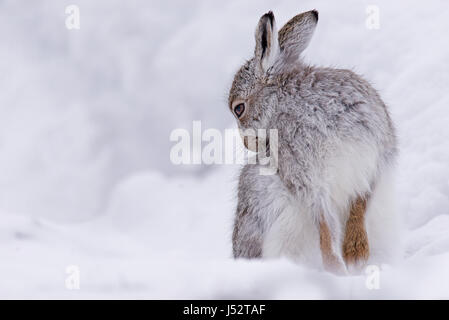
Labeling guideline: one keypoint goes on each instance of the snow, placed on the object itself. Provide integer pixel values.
(85, 176)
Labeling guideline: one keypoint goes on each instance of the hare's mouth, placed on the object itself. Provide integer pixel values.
(251, 143)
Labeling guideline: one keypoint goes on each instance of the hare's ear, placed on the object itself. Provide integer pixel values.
(267, 45)
(296, 34)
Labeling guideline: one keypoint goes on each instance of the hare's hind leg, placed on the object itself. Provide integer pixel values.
(331, 261)
(355, 244)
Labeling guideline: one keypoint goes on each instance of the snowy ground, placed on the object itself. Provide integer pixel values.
(85, 176)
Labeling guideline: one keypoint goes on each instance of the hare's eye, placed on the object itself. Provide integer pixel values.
(239, 109)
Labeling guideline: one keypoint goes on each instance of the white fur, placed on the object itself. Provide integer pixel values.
(383, 224)
(295, 234)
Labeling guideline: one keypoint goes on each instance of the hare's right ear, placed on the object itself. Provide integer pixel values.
(295, 36)
(267, 45)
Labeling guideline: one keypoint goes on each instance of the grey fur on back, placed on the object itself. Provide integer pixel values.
(317, 112)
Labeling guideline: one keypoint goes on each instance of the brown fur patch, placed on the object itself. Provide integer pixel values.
(355, 244)
(330, 260)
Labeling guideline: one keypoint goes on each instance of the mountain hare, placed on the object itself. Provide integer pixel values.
(328, 203)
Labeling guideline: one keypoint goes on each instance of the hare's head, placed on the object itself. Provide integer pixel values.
(254, 95)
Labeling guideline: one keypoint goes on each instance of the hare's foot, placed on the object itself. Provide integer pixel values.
(331, 261)
(355, 244)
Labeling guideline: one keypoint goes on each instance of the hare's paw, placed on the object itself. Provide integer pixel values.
(356, 249)
(355, 245)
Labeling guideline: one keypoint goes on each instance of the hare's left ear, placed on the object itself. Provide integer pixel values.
(295, 36)
(267, 45)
